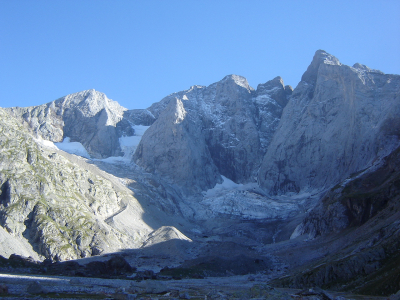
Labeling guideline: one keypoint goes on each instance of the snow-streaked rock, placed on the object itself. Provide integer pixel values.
(163, 234)
(236, 122)
(87, 117)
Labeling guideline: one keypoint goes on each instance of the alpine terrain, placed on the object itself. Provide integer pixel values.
(300, 186)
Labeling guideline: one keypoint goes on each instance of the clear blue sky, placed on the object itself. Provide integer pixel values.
(138, 52)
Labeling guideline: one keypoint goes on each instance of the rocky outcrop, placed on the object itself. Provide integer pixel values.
(164, 234)
(356, 201)
(140, 117)
(174, 148)
(230, 128)
(362, 215)
(57, 206)
(338, 121)
(234, 125)
(88, 117)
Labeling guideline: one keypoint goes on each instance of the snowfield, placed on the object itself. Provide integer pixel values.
(72, 147)
(128, 145)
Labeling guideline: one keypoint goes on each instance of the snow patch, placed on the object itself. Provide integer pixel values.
(45, 143)
(128, 145)
(226, 185)
(72, 147)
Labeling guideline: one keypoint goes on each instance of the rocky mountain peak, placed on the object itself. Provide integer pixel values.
(320, 57)
(326, 131)
(88, 117)
(90, 103)
(237, 80)
(174, 147)
(274, 89)
(276, 82)
(365, 68)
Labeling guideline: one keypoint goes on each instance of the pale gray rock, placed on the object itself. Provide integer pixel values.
(338, 121)
(174, 148)
(236, 122)
(163, 234)
(140, 116)
(270, 98)
(88, 117)
(36, 288)
(55, 207)
(230, 128)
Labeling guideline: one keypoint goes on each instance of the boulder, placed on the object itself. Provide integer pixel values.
(117, 265)
(36, 288)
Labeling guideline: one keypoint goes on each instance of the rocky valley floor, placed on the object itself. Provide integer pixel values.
(235, 287)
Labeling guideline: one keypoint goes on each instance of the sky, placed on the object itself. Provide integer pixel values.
(137, 52)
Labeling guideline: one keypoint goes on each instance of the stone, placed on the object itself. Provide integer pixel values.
(95, 268)
(154, 287)
(184, 295)
(23, 261)
(75, 281)
(36, 288)
(395, 296)
(251, 278)
(117, 265)
(124, 296)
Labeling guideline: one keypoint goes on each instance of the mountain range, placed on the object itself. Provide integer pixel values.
(314, 170)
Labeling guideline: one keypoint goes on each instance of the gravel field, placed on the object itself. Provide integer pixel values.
(234, 287)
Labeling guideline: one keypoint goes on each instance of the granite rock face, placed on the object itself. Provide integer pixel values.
(88, 117)
(174, 147)
(235, 125)
(339, 120)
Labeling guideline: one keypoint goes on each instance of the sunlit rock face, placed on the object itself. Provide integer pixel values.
(56, 207)
(88, 117)
(174, 148)
(234, 125)
(339, 120)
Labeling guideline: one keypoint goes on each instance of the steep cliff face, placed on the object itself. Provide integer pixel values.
(57, 206)
(174, 147)
(270, 99)
(235, 125)
(338, 121)
(88, 117)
